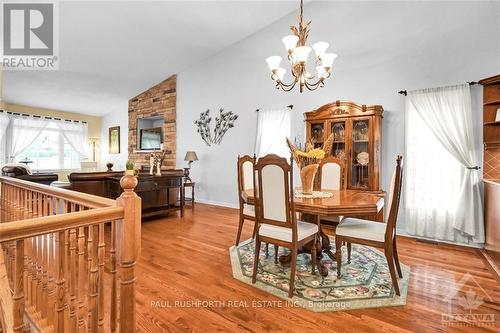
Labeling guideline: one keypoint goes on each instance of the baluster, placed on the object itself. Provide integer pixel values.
(82, 269)
(18, 297)
(89, 235)
(51, 256)
(112, 258)
(73, 277)
(100, 264)
(93, 280)
(60, 282)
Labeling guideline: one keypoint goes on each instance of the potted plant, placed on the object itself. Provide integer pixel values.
(129, 168)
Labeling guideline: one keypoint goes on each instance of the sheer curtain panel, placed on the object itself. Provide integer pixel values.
(273, 127)
(4, 123)
(24, 131)
(76, 133)
(443, 195)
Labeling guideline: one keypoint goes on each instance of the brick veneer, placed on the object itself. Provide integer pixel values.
(159, 100)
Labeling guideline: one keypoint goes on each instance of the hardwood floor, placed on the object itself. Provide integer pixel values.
(185, 261)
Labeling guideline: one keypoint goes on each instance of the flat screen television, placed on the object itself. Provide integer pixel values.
(150, 138)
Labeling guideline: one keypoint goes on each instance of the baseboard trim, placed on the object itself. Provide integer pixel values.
(217, 203)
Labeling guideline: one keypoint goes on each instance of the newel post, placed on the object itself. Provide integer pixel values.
(128, 250)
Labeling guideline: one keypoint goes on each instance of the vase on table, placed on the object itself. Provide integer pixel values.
(307, 175)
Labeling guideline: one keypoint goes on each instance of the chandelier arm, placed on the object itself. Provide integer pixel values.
(288, 87)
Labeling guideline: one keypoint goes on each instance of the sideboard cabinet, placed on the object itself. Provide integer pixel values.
(357, 139)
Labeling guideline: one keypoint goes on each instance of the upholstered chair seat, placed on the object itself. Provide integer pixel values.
(359, 228)
(304, 230)
(249, 210)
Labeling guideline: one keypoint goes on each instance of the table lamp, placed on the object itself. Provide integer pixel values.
(190, 157)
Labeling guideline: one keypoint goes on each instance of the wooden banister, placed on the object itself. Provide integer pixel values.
(49, 224)
(52, 258)
(87, 200)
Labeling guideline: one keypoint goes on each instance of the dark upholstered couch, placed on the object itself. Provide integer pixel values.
(21, 172)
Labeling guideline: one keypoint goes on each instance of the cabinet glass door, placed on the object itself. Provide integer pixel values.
(360, 158)
(317, 134)
(338, 130)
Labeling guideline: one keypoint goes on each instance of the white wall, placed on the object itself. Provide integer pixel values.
(116, 118)
(383, 47)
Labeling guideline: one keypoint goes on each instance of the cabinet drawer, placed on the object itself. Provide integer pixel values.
(491, 93)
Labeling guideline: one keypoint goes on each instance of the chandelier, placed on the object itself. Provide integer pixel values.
(298, 53)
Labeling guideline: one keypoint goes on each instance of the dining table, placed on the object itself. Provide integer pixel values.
(345, 203)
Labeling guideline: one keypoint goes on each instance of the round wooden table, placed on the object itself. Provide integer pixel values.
(343, 203)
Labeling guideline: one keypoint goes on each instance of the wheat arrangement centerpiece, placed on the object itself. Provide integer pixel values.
(307, 160)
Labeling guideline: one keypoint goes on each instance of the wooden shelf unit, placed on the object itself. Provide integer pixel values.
(357, 128)
(491, 170)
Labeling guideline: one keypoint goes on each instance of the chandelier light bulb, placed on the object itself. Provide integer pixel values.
(327, 59)
(302, 53)
(290, 42)
(273, 62)
(320, 48)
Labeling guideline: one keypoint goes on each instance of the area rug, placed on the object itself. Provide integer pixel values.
(365, 282)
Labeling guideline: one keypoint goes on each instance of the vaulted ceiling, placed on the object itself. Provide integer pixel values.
(110, 51)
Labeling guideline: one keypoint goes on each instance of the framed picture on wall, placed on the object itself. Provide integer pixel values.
(114, 140)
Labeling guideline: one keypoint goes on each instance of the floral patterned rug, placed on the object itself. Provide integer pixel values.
(365, 282)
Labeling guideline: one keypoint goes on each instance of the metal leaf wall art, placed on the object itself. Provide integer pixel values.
(223, 122)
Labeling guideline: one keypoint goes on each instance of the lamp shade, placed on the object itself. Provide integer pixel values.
(290, 42)
(273, 62)
(327, 59)
(190, 156)
(320, 48)
(302, 53)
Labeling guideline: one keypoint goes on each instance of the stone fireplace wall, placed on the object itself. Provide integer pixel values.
(159, 100)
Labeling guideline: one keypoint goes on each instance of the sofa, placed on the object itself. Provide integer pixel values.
(21, 171)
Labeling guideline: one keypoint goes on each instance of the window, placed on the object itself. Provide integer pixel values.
(51, 151)
(273, 127)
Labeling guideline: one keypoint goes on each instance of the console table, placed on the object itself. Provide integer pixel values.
(159, 194)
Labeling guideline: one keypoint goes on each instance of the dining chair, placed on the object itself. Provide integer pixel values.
(276, 216)
(245, 168)
(376, 234)
(331, 173)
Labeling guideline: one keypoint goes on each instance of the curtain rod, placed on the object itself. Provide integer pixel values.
(45, 117)
(288, 106)
(404, 92)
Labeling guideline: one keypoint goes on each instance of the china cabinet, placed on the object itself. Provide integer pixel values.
(357, 138)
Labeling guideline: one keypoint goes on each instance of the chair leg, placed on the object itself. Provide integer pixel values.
(256, 259)
(240, 227)
(390, 263)
(276, 250)
(348, 252)
(313, 256)
(255, 225)
(338, 254)
(396, 258)
(293, 268)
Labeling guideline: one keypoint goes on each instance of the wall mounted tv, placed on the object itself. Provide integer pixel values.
(150, 138)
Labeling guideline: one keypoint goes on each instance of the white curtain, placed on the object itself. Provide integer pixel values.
(23, 132)
(273, 127)
(4, 123)
(442, 186)
(76, 133)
